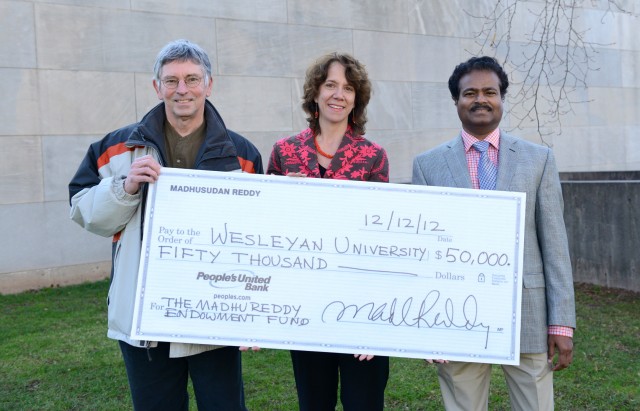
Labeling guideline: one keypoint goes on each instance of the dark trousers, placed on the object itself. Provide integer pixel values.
(158, 382)
(362, 383)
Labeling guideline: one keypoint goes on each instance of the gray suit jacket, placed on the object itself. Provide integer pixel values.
(547, 295)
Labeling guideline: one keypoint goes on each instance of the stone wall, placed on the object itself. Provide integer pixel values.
(73, 70)
(602, 215)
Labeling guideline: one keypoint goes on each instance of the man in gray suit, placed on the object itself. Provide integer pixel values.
(478, 87)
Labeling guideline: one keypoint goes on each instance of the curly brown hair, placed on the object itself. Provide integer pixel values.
(357, 77)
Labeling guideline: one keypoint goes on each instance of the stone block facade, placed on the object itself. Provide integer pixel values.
(76, 69)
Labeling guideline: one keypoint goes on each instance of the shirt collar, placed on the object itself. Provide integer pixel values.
(493, 139)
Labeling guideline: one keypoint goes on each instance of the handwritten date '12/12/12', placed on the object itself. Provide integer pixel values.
(402, 223)
(395, 222)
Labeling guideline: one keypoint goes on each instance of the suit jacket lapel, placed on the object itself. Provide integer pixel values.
(507, 161)
(456, 160)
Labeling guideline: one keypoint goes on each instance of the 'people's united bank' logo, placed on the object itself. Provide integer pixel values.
(246, 279)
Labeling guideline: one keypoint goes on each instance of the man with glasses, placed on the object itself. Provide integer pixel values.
(107, 197)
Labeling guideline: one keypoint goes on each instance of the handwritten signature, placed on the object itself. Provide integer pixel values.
(399, 313)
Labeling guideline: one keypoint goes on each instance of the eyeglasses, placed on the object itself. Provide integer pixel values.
(189, 81)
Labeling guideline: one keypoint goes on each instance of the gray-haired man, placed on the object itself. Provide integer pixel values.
(107, 196)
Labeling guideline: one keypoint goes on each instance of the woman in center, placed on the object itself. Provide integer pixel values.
(336, 93)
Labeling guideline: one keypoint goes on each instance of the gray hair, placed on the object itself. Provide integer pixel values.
(182, 50)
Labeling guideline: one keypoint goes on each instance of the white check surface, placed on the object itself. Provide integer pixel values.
(328, 265)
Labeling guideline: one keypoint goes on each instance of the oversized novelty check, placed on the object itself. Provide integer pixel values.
(331, 265)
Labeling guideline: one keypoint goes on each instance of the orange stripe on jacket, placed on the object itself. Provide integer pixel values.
(104, 160)
(246, 165)
(112, 152)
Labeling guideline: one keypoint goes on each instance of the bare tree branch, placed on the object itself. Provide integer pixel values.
(553, 63)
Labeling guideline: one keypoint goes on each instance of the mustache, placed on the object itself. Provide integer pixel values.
(479, 106)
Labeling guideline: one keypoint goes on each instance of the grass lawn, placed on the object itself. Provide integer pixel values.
(54, 355)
